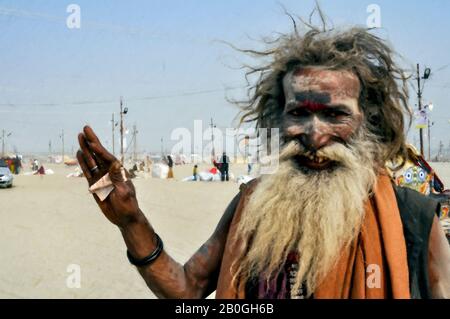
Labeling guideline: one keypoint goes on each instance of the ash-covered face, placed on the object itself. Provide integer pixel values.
(321, 109)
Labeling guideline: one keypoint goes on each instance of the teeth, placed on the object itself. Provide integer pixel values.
(314, 158)
(319, 159)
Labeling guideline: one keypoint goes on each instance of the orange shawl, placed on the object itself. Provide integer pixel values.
(375, 265)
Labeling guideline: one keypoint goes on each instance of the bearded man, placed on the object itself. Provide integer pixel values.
(328, 223)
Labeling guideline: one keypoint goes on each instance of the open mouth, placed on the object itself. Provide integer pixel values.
(313, 161)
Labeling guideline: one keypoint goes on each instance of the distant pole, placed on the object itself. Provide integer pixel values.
(429, 140)
(63, 144)
(448, 150)
(162, 148)
(235, 151)
(419, 98)
(50, 147)
(4, 136)
(113, 143)
(3, 143)
(213, 151)
(135, 143)
(62, 138)
(121, 131)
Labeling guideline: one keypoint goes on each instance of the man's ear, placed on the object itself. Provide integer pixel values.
(378, 124)
(373, 116)
(375, 122)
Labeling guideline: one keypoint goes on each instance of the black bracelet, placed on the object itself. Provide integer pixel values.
(150, 258)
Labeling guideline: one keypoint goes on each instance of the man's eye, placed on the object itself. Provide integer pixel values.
(299, 112)
(333, 113)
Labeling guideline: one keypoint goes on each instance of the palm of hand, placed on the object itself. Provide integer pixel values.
(121, 206)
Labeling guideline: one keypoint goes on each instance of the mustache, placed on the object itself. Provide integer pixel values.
(337, 152)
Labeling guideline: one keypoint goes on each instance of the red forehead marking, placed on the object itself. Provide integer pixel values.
(313, 106)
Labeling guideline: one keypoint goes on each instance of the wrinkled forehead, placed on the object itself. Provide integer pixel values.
(339, 84)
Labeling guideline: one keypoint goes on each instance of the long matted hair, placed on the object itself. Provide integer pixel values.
(384, 94)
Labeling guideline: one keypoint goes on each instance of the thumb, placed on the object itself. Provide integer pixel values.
(115, 173)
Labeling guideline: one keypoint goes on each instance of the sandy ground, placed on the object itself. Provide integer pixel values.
(48, 223)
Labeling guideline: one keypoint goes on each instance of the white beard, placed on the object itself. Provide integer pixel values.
(313, 213)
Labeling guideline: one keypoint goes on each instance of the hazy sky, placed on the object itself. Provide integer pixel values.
(163, 57)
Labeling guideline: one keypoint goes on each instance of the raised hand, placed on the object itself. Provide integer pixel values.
(121, 206)
(165, 277)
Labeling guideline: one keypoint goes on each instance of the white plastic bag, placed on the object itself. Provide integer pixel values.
(160, 171)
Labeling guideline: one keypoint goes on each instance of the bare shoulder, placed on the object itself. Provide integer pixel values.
(224, 223)
(438, 261)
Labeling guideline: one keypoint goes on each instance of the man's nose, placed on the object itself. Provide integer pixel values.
(316, 137)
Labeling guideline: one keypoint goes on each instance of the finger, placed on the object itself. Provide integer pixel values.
(97, 146)
(99, 160)
(87, 153)
(84, 167)
(115, 173)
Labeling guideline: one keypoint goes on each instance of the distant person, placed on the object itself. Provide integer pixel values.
(249, 165)
(133, 171)
(40, 171)
(148, 163)
(224, 166)
(12, 166)
(216, 164)
(170, 164)
(17, 165)
(35, 165)
(195, 172)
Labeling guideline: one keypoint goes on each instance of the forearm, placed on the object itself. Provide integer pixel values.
(165, 277)
(169, 279)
